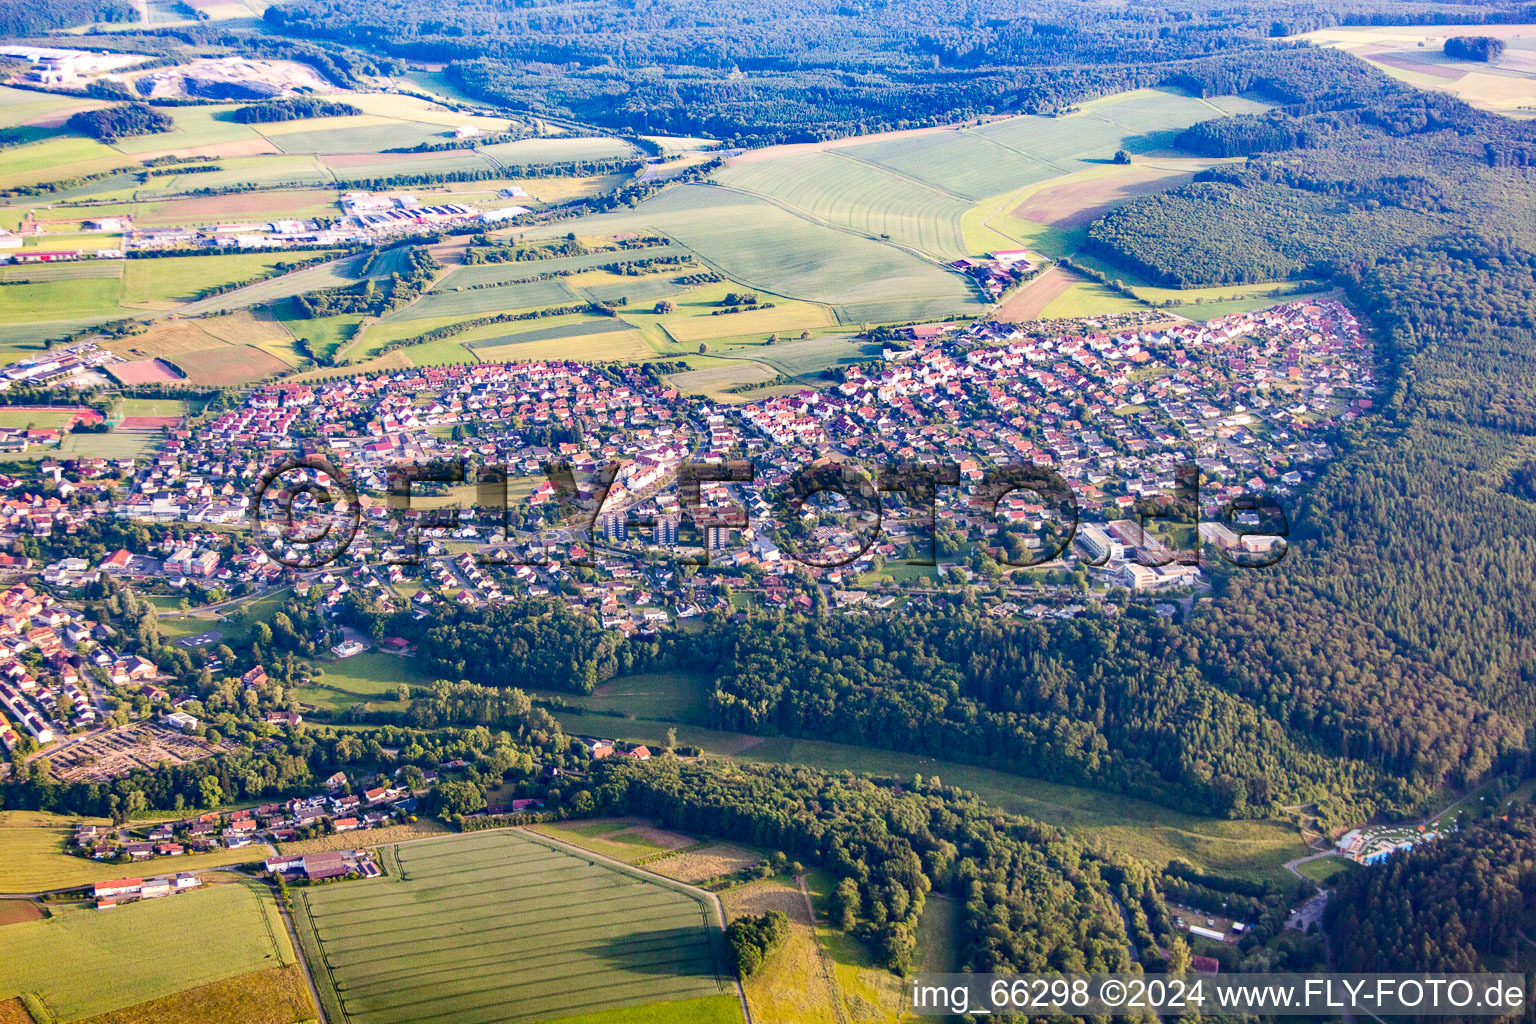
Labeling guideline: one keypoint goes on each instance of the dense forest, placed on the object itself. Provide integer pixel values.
(1033, 899)
(1481, 48)
(291, 110)
(806, 69)
(108, 124)
(1459, 904)
(32, 17)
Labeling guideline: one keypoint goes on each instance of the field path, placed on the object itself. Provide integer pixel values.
(710, 898)
(838, 1006)
(298, 952)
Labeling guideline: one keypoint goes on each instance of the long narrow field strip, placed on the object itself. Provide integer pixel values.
(474, 301)
(498, 926)
(524, 270)
(579, 329)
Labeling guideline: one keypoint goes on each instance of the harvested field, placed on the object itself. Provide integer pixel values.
(625, 839)
(144, 371)
(149, 422)
(19, 912)
(563, 935)
(236, 147)
(1031, 299)
(796, 986)
(278, 995)
(1075, 203)
(704, 863)
(421, 829)
(229, 365)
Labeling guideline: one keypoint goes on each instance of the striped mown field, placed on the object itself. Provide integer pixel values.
(501, 927)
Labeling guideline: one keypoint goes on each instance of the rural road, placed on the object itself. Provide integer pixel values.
(710, 897)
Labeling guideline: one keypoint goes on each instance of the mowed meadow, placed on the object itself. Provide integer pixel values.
(502, 927)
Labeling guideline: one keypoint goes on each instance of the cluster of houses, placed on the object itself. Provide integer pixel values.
(233, 830)
(1117, 410)
(323, 867)
(125, 890)
(67, 649)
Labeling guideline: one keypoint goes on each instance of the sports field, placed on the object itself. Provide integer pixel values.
(498, 926)
(176, 943)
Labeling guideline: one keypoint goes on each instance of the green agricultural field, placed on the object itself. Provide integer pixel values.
(599, 347)
(1006, 155)
(79, 270)
(326, 275)
(838, 190)
(562, 935)
(444, 352)
(523, 270)
(32, 846)
(144, 950)
(358, 134)
(383, 165)
(79, 298)
(23, 106)
(577, 328)
(177, 279)
(58, 158)
(262, 171)
(327, 334)
(479, 301)
(557, 150)
(196, 126)
(630, 289)
(813, 355)
(767, 248)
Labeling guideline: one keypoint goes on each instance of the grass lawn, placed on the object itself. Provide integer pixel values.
(32, 857)
(562, 935)
(1328, 868)
(664, 696)
(359, 678)
(144, 950)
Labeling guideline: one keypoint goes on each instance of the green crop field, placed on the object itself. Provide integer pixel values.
(88, 297)
(79, 270)
(633, 289)
(770, 249)
(557, 150)
(478, 301)
(20, 106)
(831, 187)
(359, 134)
(576, 329)
(443, 352)
(179, 279)
(143, 950)
(1006, 155)
(811, 356)
(522, 270)
(384, 165)
(58, 158)
(327, 275)
(498, 926)
(598, 346)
